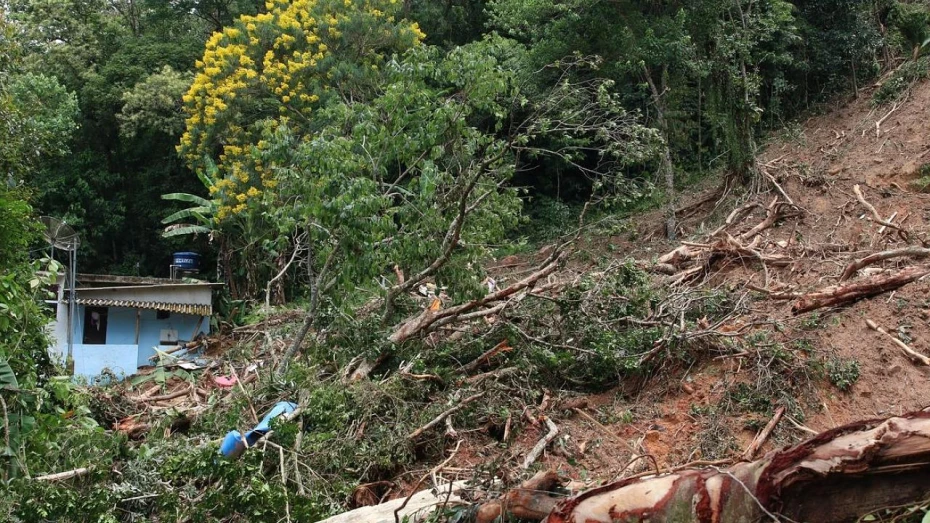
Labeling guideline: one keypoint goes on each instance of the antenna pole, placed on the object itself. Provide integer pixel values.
(71, 306)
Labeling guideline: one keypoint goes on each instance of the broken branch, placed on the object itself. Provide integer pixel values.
(763, 435)
(65, 475)
(852, 268)
(503, 346)
(430, 319)
(876, 217)
(909, 351)
(439, 419)
(541, 444)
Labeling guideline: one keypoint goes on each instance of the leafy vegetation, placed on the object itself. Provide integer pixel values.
(843, 373)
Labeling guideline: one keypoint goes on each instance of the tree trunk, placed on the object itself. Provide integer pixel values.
(668, 168)
(838, 475)
(841, 295)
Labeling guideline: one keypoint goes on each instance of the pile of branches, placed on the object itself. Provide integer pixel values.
(693, 261)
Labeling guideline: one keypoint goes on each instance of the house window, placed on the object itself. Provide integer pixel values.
(162, 315)
(95, 325)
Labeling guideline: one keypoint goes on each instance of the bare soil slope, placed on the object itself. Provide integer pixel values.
(704, 413)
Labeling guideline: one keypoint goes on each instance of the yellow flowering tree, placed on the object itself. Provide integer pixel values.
(276, 69)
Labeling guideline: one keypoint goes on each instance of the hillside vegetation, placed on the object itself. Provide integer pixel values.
(471, 240)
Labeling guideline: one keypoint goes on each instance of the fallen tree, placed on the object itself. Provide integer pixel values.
(841, 295)
(838, 475)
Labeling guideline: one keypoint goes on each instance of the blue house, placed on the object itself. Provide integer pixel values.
(118, 322)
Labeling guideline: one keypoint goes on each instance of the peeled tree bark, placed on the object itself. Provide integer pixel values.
(838, 475)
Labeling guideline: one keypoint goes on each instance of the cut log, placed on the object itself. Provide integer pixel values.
(838, 475)
(841, 295)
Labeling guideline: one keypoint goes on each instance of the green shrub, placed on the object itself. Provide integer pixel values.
(842, 373)
(901, 80)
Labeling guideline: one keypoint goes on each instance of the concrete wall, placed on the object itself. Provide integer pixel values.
(90, 360)
(122, 354)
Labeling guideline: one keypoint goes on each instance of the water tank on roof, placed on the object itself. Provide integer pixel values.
(187, 261)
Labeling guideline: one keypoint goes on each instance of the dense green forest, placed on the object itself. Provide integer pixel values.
(340, 153)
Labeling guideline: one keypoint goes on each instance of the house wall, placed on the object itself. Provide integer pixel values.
(122, 354)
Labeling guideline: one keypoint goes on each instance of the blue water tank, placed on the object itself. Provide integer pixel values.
(187, 261)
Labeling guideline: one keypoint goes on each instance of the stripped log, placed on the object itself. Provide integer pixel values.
(855, 266)
(836, 476)
(419, 505)
(841, 295)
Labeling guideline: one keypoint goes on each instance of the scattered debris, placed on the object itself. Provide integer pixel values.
(235, 443)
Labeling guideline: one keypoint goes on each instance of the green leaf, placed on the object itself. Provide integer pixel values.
(926, 518)
(196, 212)
(186, 197)
(190, 229)
(7, 378)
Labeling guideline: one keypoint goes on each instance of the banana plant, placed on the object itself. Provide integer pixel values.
(198, 219)
(7, 377)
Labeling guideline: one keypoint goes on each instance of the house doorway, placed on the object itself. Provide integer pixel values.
(95, 325)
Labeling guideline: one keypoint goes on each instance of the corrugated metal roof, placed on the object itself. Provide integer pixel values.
(180, 308)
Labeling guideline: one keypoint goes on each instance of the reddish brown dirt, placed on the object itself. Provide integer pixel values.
(665, 417)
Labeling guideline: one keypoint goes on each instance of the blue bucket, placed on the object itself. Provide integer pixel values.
(188, 261)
